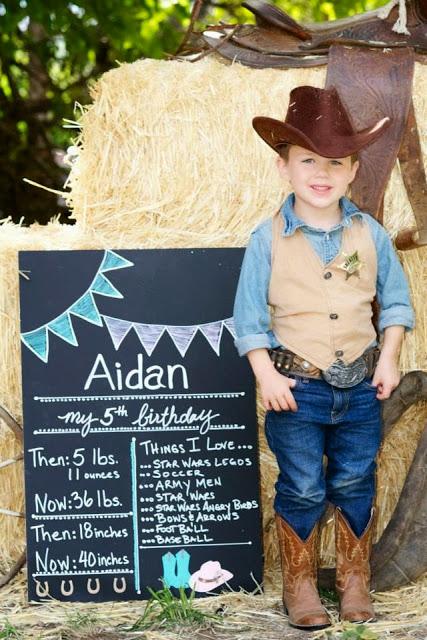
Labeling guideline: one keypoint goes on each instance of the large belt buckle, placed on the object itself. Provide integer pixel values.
(346, 375)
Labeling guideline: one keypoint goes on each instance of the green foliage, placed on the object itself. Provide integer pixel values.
(50, 50)
(352, 631)
(165, 611)
(317, 10)
(303, 10)
(8, 631)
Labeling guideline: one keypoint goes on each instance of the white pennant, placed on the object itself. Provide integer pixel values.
(182, 336)
(149, 335)
(229, 324)
(118, 329)
(213, 332)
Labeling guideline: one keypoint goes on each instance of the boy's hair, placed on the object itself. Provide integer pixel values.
(283, 152)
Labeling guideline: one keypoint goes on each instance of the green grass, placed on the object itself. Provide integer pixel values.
(164, 610)
(352, 631)
(7, 631)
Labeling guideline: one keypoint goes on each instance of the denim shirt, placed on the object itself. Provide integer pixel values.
(251, 313)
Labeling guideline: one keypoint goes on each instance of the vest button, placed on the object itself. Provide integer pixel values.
(333, 316)
(339, 353)
(327, 275)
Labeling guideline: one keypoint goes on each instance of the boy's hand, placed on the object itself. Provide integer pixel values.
(275, 388)
(276, 392)
(386, 377)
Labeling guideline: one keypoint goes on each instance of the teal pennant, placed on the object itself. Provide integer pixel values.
(37, 341)
(112, 261)
(104, 287)
(63, 328)
(86, 308)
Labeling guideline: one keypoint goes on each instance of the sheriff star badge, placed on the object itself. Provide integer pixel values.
(351, 265)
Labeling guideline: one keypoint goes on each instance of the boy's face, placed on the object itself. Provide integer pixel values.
(318, 182)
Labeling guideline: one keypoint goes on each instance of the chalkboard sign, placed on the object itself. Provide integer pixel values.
(141, 464)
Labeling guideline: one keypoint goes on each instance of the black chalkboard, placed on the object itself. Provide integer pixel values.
(141, 465)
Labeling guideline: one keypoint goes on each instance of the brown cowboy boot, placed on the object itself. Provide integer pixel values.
(299, 570)
(353, 572)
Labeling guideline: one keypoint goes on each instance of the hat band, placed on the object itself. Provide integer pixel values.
(214, 579)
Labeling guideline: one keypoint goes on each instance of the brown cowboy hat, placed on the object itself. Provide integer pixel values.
(317, 120)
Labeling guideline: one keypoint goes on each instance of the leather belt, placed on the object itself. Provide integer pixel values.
(338, 374)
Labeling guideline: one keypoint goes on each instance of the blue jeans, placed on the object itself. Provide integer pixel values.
(344, 425)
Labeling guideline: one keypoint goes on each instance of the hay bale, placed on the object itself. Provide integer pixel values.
(168, 158)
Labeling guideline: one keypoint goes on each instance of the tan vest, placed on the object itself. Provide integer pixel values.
(315, 314)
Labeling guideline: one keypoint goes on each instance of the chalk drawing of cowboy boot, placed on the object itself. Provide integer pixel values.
(169, 570)
(175, 569)
(182, 572)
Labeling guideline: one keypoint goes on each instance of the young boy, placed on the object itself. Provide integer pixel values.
(318, 264)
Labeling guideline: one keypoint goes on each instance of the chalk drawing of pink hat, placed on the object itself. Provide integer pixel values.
(209, 576)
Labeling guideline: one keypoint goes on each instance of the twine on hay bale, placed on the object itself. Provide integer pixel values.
(168, 158)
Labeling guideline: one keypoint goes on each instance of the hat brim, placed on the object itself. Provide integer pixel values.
(203, 587)
(277, 133)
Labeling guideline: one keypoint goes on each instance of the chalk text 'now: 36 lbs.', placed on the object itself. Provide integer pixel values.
(77, 500)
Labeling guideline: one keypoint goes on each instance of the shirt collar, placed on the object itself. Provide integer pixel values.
(292, 222)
